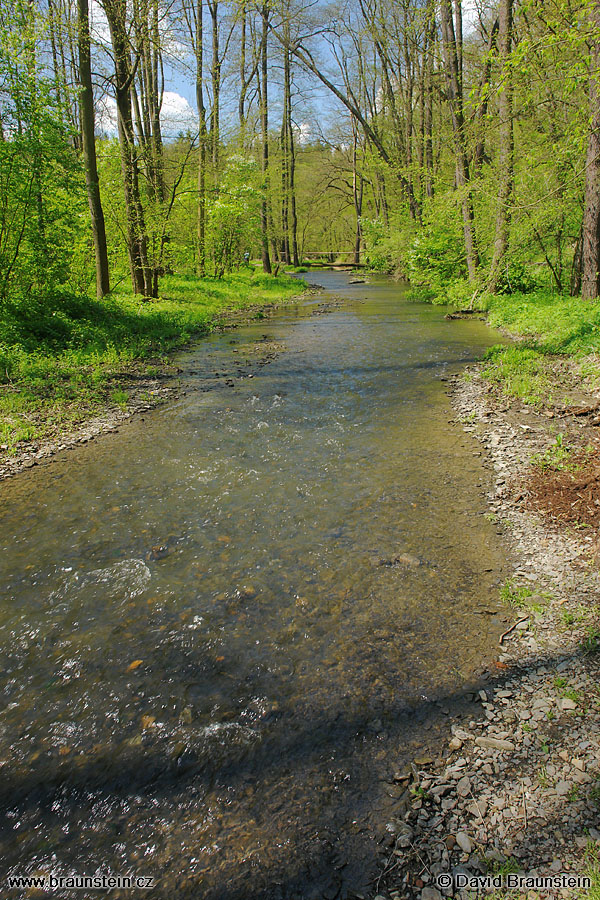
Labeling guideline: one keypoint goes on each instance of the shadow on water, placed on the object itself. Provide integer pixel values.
(317, 864)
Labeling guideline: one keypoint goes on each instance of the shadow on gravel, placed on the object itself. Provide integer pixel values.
(328, 862)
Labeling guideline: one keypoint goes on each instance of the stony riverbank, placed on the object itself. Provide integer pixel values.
(517, 789)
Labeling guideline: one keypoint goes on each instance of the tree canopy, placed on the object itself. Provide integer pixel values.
(459, 147)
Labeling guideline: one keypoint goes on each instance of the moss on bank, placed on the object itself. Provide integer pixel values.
(63, 357)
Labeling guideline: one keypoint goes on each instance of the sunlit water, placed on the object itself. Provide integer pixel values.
(224, 628)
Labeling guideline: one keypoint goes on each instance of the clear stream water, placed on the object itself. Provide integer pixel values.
(224, 627)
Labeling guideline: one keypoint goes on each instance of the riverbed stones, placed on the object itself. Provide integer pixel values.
(430, 893)
(463, 787)
(567, 703)
(463, 841)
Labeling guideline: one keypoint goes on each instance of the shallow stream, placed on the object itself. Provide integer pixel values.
(226, 626)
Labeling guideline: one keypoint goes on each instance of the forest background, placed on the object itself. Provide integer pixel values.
(149, 149)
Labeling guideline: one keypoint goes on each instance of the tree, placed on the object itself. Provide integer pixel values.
(453, 71)
(92, 181)
(590, 281)
(264, 130)
(506, 142)
(137, 239)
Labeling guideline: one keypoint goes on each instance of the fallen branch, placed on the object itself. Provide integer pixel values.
(512, 627)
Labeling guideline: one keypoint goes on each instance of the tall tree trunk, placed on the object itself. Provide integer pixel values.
(577, 266)
(215, 74)
(264, 127)
(137, 238)
(287, 202)
(292, 185)
(357, 195)
(479, 154)
(428, 100)
(86, 100)
(452, 51)
(285, 210)
(507, 144)
(201, 219)
(243, 82)
(590, 278)
(155, 97)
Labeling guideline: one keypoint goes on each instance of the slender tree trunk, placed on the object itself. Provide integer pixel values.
(577, 266)
(428, 101)
(590, 279)
(155, 97)
(479, 155)
(292, 187)
(285, 217)
(452, 50)
(215, 74)
(201, 181)
(86, 100)
(507, 144)
(137, 238)
(357, 196)
(264, 125)
(286, 146)
(243, 83)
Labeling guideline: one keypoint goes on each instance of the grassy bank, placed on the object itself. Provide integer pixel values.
(548, 330)
(65, 357)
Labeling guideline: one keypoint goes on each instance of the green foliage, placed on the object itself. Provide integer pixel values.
(515, 279)
(555, 457)
(557, 324)
(41, 182)
(520, 371)
(550, 325)
(234, 215)
(591, 642)
(516, 596)
(431, 255)
(436, 255)
(592, 869)
(384, 244)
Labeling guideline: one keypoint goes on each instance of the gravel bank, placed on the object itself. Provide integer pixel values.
(516, 789)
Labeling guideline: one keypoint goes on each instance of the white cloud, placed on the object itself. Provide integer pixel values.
(303, 133)
(176, 115)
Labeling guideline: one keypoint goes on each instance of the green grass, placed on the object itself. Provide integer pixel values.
(557, 457)
(547, 326)
(592, 869)
(64, 356)
(521, 597)
(516, 596)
